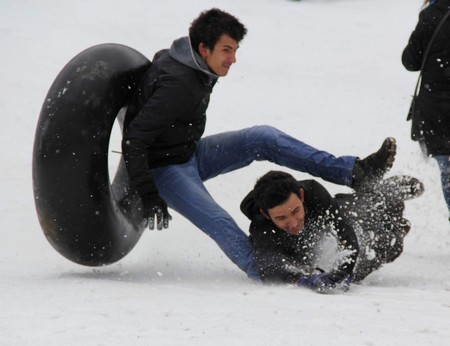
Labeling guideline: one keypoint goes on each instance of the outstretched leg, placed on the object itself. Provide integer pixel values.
(183, 190)
(229, 151)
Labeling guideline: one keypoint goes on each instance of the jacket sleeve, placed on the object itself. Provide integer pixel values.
(346, 237)
(272, 264)
(156, 115)
(326, 208)
(413, 53)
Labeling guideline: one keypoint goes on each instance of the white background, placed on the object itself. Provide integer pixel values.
(327, 72)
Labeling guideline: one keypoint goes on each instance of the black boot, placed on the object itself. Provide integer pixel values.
(370, 170)
(401, 187)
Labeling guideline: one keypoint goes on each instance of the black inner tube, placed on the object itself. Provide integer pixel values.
(85, 218)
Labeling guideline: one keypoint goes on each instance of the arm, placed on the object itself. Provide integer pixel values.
(156, 115)
(325, 214)
(346, 237)
(274, 259)
(413, 52)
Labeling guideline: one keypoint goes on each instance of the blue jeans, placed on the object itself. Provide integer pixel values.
(181, 186)
(444, 166)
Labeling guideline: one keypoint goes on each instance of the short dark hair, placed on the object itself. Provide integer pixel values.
(274, 188)
(211, 24)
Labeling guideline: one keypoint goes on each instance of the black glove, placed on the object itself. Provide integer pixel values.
(155, 206)
(327, 282)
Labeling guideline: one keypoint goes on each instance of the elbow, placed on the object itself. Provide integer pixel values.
(410, 63)
(411, 67)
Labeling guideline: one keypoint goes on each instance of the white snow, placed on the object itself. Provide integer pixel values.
(325, 71)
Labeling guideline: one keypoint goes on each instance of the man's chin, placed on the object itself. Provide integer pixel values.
(293, 231)
(224, 72)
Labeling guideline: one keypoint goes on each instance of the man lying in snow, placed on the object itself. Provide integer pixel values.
(295, 223)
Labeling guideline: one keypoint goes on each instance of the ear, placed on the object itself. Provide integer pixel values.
(265, 215)
(202, 50)
(301, 193)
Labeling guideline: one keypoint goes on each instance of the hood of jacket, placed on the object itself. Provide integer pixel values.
(181, 50)
(248, 206)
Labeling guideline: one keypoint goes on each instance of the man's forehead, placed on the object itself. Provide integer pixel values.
(226, 41)
(292, 203)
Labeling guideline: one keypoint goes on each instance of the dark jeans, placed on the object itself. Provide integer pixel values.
(444, 166)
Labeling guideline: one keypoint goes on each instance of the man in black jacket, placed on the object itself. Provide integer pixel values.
(292, 222)
(168, 160)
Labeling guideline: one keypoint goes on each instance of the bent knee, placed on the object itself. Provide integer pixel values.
(264, 133)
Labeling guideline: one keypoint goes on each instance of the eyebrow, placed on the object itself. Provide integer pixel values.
(293, 211)
(228, 46)
(284, 215)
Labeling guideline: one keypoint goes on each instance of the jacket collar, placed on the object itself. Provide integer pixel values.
(181, 50)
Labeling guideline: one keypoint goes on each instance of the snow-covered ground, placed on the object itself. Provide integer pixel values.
(325, 71)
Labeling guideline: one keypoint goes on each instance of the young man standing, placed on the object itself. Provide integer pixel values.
(168, 159)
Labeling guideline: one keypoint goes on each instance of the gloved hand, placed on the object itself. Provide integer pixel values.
(156, 207)
(327, 282)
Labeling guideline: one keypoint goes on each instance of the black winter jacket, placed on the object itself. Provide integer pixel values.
(431, 121)
(281, 257)
(168, 113)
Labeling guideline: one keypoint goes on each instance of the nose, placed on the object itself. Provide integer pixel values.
(292, 222)
(232, 57)
(295, 223)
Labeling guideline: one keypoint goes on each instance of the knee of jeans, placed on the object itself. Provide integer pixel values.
(265, 132)
(224, 220)
(222, 224)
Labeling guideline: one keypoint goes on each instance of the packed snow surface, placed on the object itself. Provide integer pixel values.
(327, 72)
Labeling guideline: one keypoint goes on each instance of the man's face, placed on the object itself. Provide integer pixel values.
(222, 56)
(289, 216)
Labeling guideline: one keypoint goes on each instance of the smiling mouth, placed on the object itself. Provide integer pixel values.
(293, 230)
(296, 229)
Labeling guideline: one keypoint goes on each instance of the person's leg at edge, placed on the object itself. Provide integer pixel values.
(225, 152)
(444, 167)
(183, 190)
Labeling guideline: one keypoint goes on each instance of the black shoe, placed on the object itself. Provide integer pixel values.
(394, 251)
(403, 227)
(402, 187)
(370, 170)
